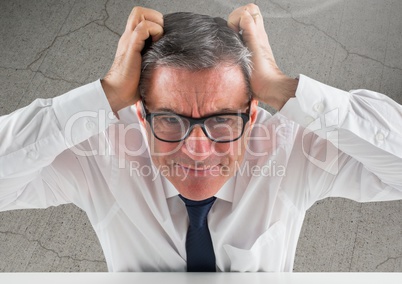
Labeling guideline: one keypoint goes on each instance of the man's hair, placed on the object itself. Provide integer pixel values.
(195, 42)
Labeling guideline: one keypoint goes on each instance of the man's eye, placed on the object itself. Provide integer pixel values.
(221, 119)
(171, 120)
(225, 119)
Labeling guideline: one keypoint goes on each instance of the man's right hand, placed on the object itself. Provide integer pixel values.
(121, 82)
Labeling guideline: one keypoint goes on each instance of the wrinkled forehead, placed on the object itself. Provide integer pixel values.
(197, 93)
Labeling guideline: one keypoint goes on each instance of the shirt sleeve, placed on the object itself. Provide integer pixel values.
(32, 137)
(363, 158)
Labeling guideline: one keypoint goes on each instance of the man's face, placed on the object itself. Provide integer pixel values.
(197, 166)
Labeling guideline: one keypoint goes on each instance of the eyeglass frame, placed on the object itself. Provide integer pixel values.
(195, 121)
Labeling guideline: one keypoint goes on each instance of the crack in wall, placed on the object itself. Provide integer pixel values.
(355, 237)
(107, 18)
(29, 66)
(100, 22)
(51, 250)
(40, 53)
(44, 75)
(388, 259)
(348, 53)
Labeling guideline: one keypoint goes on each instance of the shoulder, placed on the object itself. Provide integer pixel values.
(271, 132)
(278, 124)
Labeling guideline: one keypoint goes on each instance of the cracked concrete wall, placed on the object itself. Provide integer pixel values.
(48, 47)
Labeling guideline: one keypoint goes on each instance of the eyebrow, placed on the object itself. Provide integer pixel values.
(229, 110)
(164, 109)
(224, 110)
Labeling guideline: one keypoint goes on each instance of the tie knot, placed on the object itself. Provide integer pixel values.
(198, 210)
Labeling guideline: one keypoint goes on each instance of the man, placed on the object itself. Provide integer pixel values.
(187, 133)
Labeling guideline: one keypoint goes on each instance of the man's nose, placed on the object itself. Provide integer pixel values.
(197, 146)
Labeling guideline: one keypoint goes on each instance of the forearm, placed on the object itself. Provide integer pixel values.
(278, 92)
(361, 124)
(116, 101)
(33, 136)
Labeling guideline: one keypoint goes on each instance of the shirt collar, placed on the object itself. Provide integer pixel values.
(225, 193)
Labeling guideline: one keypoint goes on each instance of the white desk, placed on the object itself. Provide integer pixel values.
(200, 278)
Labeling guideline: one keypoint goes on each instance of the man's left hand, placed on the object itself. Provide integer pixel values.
(269, 84)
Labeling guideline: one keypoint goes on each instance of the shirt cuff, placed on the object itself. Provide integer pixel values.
(83, 112)
(318, 107)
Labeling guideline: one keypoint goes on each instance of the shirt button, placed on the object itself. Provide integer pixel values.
(90, 125)
(318, 107)
(379, 137)
(111, 115)
(32, 155)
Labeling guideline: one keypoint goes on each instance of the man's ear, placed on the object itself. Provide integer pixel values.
(253, 111)
(140, 112)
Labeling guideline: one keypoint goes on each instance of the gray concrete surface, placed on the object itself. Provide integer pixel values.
(48, 47)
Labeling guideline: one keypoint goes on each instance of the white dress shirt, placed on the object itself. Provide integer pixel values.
(325, 142)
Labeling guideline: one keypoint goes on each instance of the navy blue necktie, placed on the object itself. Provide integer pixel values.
(199, 248)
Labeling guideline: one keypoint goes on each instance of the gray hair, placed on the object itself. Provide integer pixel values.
(195, 42)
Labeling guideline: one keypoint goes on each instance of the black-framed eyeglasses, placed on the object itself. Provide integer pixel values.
(220, 128)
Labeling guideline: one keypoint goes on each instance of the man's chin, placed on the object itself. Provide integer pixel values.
(197, 188)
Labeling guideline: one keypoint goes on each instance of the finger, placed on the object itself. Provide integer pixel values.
(243, 21)
(234, 18)
(132, 42)
(143, 31)
(247, 24)
(257, 17)
(255, 36)
(139, 14)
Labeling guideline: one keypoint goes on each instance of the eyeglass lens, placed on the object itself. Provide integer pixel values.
(171, 127)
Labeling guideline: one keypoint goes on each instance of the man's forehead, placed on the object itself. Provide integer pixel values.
(204, 91)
